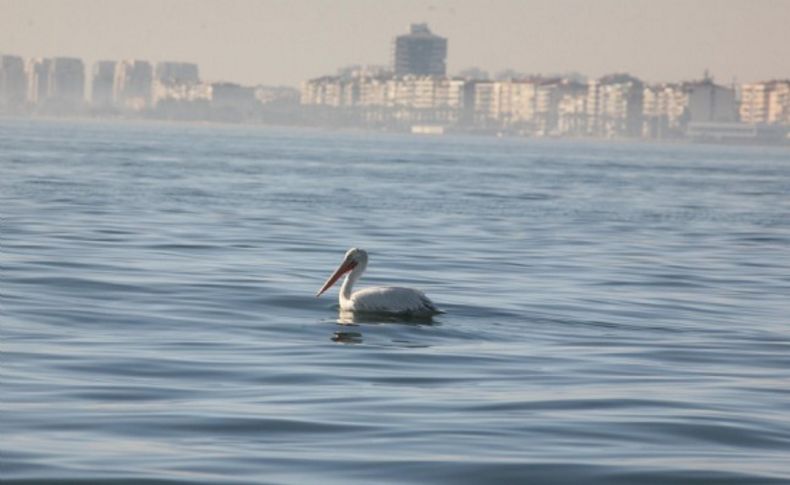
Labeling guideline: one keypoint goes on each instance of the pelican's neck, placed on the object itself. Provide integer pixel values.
(348, 284)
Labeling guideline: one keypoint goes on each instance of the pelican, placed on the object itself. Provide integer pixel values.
(379, 299)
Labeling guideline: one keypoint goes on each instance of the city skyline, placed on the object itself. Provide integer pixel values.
(413, 91)
(415, 95)
(287, 42)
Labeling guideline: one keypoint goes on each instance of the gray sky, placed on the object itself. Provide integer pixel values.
(287, 41)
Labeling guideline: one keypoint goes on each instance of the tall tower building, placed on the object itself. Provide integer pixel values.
(38, 74)
(67, 80)
(420, 53)
(133, 84)
(103, 82)
(13, 83)
(178, 82)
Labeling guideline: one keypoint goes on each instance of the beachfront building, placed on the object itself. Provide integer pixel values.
(503, 104)
(765, 102)
(710, 103)
(323, 91)
(614, 106)
(388, 100)
(180, 93)
(665, 110)
(571, 119)
(779, 102)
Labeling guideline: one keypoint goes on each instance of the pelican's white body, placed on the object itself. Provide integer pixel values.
(378, 299)
(387, 299)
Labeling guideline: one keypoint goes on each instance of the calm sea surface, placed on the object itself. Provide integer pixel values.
(615, 313)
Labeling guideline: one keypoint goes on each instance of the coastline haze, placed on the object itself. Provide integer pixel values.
(275, 42)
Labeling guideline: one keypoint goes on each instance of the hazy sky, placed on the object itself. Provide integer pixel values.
(285, 42)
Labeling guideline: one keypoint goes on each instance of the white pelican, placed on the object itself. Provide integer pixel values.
(379, 299)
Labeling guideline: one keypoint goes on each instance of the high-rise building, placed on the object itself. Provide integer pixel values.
(614, 106)
(67, 81)
(754, 103)
(133, 85)
(449, 94)
(709, 102)
(547, 100)
(374, 92)
(665, 110)
(522, 101)
(103, 82)
(765, 102)
(178, 82)
(508, 102)
(39, 72)
(571, 108)
(13, 83)
(779, 102)
(420, 53)
(326, 91)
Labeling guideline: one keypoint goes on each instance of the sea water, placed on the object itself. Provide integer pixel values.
(614, 312)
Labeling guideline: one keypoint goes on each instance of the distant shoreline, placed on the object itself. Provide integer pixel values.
(452, 132)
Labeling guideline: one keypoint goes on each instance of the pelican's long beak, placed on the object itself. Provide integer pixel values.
(344, 268)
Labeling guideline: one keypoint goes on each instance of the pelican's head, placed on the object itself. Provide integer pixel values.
(354, 258)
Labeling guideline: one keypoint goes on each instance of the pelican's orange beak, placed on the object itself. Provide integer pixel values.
(344, 268)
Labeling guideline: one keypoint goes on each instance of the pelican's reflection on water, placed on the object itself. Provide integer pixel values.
(354, 320)
(347, 337)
